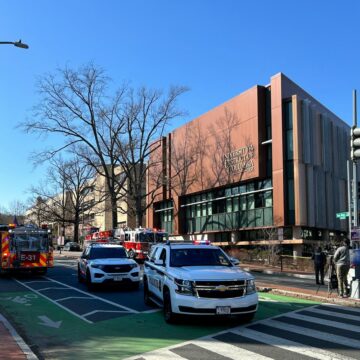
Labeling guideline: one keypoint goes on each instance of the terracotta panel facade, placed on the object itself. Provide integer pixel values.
(259, 161)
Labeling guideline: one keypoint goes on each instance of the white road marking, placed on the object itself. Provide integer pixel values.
(73, 297)
(54, 302)
(105, 311)
(53, 288)
(334, 314)
(336, 324)
(48, 322)
(314, 333)
(96, 297)
(293, 346)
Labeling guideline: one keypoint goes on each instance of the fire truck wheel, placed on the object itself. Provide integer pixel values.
(131, 254)
(147, 299)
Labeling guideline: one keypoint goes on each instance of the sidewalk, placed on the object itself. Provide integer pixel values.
(12, 346)
(318, 293)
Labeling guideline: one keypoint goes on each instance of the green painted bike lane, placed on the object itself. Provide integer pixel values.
(37, 319)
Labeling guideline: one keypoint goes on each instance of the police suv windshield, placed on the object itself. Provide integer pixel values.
(108, 253)
(198, 257)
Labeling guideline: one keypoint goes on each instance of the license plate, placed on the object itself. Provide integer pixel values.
(118, 278)
(223, 310)
(31, 257)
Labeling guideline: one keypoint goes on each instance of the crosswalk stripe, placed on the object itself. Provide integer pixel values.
(288, 346)
(320, 327)
(323, 334)
(307, 339)
(253, 341)
(317, 320)
(323, 314)
(194, 352)
(340, 309)
(229, 350)
(162, 354)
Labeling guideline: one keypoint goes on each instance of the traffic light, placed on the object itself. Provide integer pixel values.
(355, 143)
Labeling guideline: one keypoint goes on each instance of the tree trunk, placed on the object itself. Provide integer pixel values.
(114, 213)
(76, 228)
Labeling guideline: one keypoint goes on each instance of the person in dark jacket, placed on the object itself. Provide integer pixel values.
(342, 262)
(319, 258)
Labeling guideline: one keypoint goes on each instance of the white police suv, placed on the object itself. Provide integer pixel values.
(107, 263)
(198, 280)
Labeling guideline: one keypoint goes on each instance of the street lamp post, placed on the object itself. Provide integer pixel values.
(15, 43)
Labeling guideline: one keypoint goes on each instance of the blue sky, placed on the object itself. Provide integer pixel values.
(218, 48)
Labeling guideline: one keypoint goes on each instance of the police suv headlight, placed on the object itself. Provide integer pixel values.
(97, 266)
(133, 266)
(250, 287)
(185, 287)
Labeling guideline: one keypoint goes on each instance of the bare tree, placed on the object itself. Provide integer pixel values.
(147, 116)
(107, 131)
(65, 196)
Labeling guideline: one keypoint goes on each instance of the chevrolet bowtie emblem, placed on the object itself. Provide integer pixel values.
(221, 288)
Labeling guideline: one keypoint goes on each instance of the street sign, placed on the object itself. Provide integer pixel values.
(342, 215)
(355, 234)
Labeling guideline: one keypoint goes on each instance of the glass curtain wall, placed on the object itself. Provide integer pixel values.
(241, 206)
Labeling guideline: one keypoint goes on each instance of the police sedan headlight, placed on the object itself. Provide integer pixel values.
(97, 266)
(185, 287)
(250, 287)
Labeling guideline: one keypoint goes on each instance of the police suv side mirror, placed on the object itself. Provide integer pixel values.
(159, 262)
(235, 261)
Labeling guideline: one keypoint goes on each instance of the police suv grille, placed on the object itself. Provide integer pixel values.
(117, 268)
(220, 289)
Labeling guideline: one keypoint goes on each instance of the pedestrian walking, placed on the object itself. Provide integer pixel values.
(342, 262)
(319, 258)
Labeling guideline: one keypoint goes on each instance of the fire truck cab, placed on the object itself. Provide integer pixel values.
(25, 248)
(139, 241)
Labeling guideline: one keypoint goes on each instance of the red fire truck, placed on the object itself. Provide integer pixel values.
(139, 241)
(98, 237)
(25, 248)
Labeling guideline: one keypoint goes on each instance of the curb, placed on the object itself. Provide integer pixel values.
(18, 339)
(272, 272)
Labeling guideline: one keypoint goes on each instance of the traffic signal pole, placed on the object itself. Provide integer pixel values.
(355, 195)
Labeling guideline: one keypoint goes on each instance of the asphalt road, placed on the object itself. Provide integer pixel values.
(58, 317)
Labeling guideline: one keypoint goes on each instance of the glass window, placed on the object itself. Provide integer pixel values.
(259, 200)
(236, 204)
(235, 190)
(243, 203)
(203, 209)
(268, 198)
(242, 189)
(268, 220)
(250, 187)
(198, 210)
(259, 217)
(250, 201)
(229, 205)
(209, 208)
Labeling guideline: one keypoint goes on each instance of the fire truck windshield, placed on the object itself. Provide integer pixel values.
(29, 241)
(146, 237)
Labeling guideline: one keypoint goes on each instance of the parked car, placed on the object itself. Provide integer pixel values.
(108, 263)
(71, 246)
(188, 279)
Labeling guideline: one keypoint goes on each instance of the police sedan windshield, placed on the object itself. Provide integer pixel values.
(198, 257)
(108, 253)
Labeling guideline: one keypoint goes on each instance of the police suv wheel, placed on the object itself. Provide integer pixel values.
(147, 299)
(169, 316)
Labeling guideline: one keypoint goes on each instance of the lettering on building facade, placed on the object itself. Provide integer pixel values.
(240, 160)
